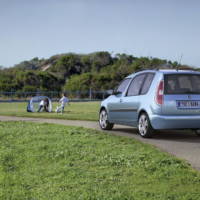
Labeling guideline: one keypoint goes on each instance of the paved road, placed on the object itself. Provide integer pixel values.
(182, 144)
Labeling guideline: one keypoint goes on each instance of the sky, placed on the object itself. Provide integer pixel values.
(165, 29)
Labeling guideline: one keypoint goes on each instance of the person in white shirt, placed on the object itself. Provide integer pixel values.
(41, 105)
(63, 101)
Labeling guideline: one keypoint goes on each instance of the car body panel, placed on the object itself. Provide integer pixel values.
(175, 121)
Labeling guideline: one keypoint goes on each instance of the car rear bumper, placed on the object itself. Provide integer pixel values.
(175, 122)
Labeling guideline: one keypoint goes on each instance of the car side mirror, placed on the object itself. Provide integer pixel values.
(115, 92)
(109, 92)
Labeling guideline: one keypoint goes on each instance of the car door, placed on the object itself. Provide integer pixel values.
(114, 103)
(130, 102)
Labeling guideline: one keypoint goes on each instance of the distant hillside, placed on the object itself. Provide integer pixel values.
(70, 71)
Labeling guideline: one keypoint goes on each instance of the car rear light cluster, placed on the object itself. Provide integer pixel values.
(159, 93)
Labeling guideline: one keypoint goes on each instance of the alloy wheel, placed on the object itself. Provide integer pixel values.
(103, 119)
(143, 125)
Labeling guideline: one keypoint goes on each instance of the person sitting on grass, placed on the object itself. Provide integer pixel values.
(63, 102)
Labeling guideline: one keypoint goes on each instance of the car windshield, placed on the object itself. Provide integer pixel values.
(182, 84)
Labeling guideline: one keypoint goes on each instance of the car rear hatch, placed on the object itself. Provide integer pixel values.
(181, 94)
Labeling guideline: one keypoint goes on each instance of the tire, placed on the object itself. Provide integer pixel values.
(144, 126)
(103, 120)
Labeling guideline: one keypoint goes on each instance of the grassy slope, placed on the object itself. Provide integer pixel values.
(76, 111)
(44, 161)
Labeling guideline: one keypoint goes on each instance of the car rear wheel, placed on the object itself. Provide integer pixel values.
(103, 121)
(144, 126)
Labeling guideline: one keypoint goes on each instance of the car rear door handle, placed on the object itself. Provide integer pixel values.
(120, 100)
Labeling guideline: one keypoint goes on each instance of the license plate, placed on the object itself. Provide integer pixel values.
(188, 104)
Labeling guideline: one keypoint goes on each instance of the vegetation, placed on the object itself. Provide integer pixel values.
(43, 161)
(97, 71)
(27, 80)
(76, 111)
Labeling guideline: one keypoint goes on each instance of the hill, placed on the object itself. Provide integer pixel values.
(70, 71)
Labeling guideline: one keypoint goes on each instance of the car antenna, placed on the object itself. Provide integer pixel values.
(179, 63)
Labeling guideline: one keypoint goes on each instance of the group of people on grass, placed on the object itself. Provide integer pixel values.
(44, 103)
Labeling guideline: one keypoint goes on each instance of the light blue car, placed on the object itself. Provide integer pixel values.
(153, 100)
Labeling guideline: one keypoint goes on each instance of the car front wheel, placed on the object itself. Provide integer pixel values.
(103, 121)
(144, 126)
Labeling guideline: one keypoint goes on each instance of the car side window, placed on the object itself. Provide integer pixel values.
(135, 86)
(147, 83)
(122, 86)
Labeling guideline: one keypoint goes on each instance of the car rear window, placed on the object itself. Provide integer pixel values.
(182, 84)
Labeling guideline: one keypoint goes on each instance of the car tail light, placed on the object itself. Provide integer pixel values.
(159, 93)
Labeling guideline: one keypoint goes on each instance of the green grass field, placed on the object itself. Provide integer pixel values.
(75, 111)
(55, 162)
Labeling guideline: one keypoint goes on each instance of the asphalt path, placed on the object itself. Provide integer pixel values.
(182, 144)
